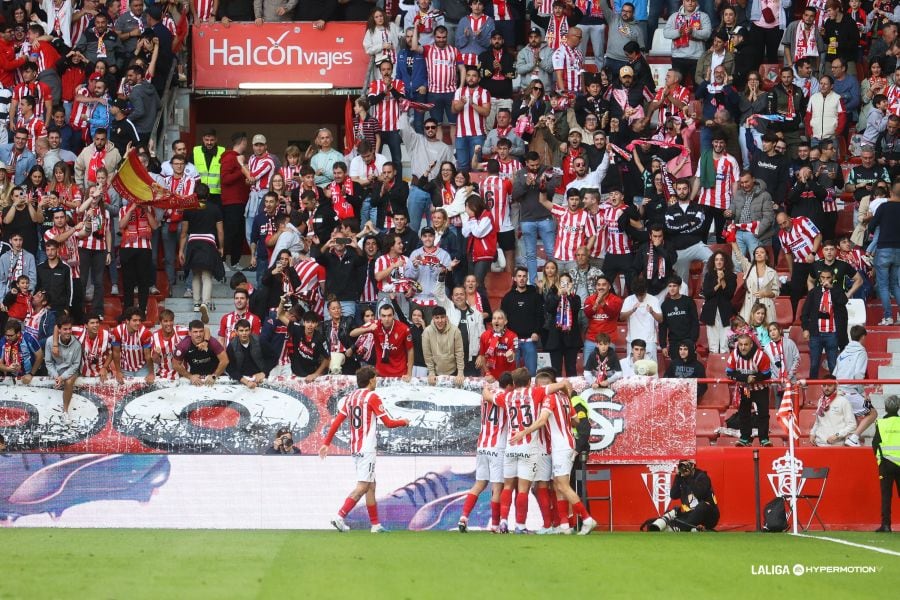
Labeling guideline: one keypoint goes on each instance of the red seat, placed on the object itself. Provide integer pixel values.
(809, 397)
(803, 368)
(807, 420)
(717, 397)
(702, 441)
(844, 223)
(715, 365)
(708, 423)
(783, 312)
(796, 334)
(498, 283)
(800, 304)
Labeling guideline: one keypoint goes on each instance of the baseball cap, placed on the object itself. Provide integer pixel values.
(536, 30)
(120, 104)
(428, 230)
(626, 70)
(259, 139)
(2, 165)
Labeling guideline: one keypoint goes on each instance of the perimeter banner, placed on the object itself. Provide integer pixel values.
(271, 53)
(643, 420)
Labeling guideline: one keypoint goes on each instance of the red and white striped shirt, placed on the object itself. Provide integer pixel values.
(81, 111)
(311, 275)
(493, 425)
(497, 192)
(289, 172)
(138, 232)
(36, 129)
(826, 307)
(362, 408)
(441, 65)
(99, 225)
(203, 10)
(37, 89)
(382, 263)
(758, 363)
(370, 286)
(894, 99)
(597, 250)
(469, 122)
(229, 322)
(68, 250)
(798, 241)
(262, 168)
(571, 62)
(165, 349)
(501, 10)
(573, 229)
(557, 31)
(727, 171)
(94, 351)
(132, 345)
(388, 110)
(615, 240)
(561, 413)
(666, 109)
(509, 167)
(522, 406)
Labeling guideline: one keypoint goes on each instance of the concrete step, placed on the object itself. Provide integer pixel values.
(891, 372)
(893, 345)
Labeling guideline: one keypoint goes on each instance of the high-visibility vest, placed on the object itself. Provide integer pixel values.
(889, 428)
(576, 402)
(212, 177)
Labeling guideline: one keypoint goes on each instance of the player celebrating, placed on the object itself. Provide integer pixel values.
(559, 417)
(521, 459)
(362, 406)
(489, 461)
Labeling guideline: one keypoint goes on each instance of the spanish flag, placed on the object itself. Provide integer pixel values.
(134, 183)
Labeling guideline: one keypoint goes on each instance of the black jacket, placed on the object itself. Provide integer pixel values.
(57, 283)
(809, 317)
(697, 485)
(684, 228)
(237, 358)
(773, 171)
(395, 198)
(345, 325)
(498, 88)
(524, 311)
(664, 257)
(341, 280)
(274, 289)
(557, 339)
(717, 300)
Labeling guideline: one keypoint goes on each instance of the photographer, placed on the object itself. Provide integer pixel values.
(698, 510)
(283, 443)
(280, 280)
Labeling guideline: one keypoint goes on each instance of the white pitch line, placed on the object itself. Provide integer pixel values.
(846, 543)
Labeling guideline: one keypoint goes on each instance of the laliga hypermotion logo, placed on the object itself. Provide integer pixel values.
(603, 429)
(780, 480)
(279, 52)
(658, 483)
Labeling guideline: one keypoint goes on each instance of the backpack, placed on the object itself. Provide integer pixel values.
(775, 515)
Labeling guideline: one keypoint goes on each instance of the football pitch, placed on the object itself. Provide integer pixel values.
(92, 563)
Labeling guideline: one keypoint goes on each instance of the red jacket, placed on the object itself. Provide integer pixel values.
(9, 63)
(235, 189)
(483, 248)
(604, 318)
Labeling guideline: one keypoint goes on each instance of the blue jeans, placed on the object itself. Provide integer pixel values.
(546, 229)
(887, 276)
(392, 140)
(348, 308)
(441, 109)
(262, 264)
(818, 342)
(417, 117)
(367, 213)
(418, 205)
(526, 356)
(747, 242)
(465, 150)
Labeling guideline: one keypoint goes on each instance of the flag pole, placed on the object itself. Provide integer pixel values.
(793, 476)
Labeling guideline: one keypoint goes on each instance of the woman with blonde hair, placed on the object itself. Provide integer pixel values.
(290, 169)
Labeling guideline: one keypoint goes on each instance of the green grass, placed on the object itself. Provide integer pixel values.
(166, 564)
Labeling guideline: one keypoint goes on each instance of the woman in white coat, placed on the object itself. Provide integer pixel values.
(761, 281)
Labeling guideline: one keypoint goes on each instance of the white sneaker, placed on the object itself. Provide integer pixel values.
(545, 531)
(339, 524)
(852, 440)
(886, 321)
(587, 526)
(154, 290)
(463, 524)
(114, 291)
(204, 314)
(188, 293)
(565, 530)
(377, 528)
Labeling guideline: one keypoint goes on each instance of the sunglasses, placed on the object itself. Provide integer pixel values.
(431, 127)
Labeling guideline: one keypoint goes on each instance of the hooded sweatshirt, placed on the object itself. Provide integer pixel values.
(69, 360)
(688, 368)
(852, 364)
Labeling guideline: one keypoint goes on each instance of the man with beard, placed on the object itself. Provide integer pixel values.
(655, 260)
(749, 367)
(687, 227)
(207, 160)
(497, 73)
(535, 61)
(802, 40)
(804, 78)
(503, 130)
(787, 100)
(717, 172)
(471, 104)
(622, 30)
(626, 97)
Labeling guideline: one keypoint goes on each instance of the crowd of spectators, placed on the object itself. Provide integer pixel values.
(631, 185)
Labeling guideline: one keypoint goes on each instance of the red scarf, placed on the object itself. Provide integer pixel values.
(97, 160)
(824, 404)
(564, 314)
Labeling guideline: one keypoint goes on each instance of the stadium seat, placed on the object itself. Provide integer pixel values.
(717, 397)
(497, 284)
(807, 420)
(702, 441)
(844, 223)
(715, 365)
(783, 312)
(708, 423)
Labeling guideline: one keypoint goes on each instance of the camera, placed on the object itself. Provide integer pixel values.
(286, 441)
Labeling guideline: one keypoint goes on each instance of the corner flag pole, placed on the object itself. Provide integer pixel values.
(793, 475)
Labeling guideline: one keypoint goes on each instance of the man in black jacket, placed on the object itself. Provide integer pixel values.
(54, 276)
(246, 362)
(389, 195)
(341, 264)
(680, 322)
(824, 322)
(524, 307)
(772, 169)
(498, 69)
(787, 100)
(687, 228)
(698, 509)
(684, 365)
(655, 259)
